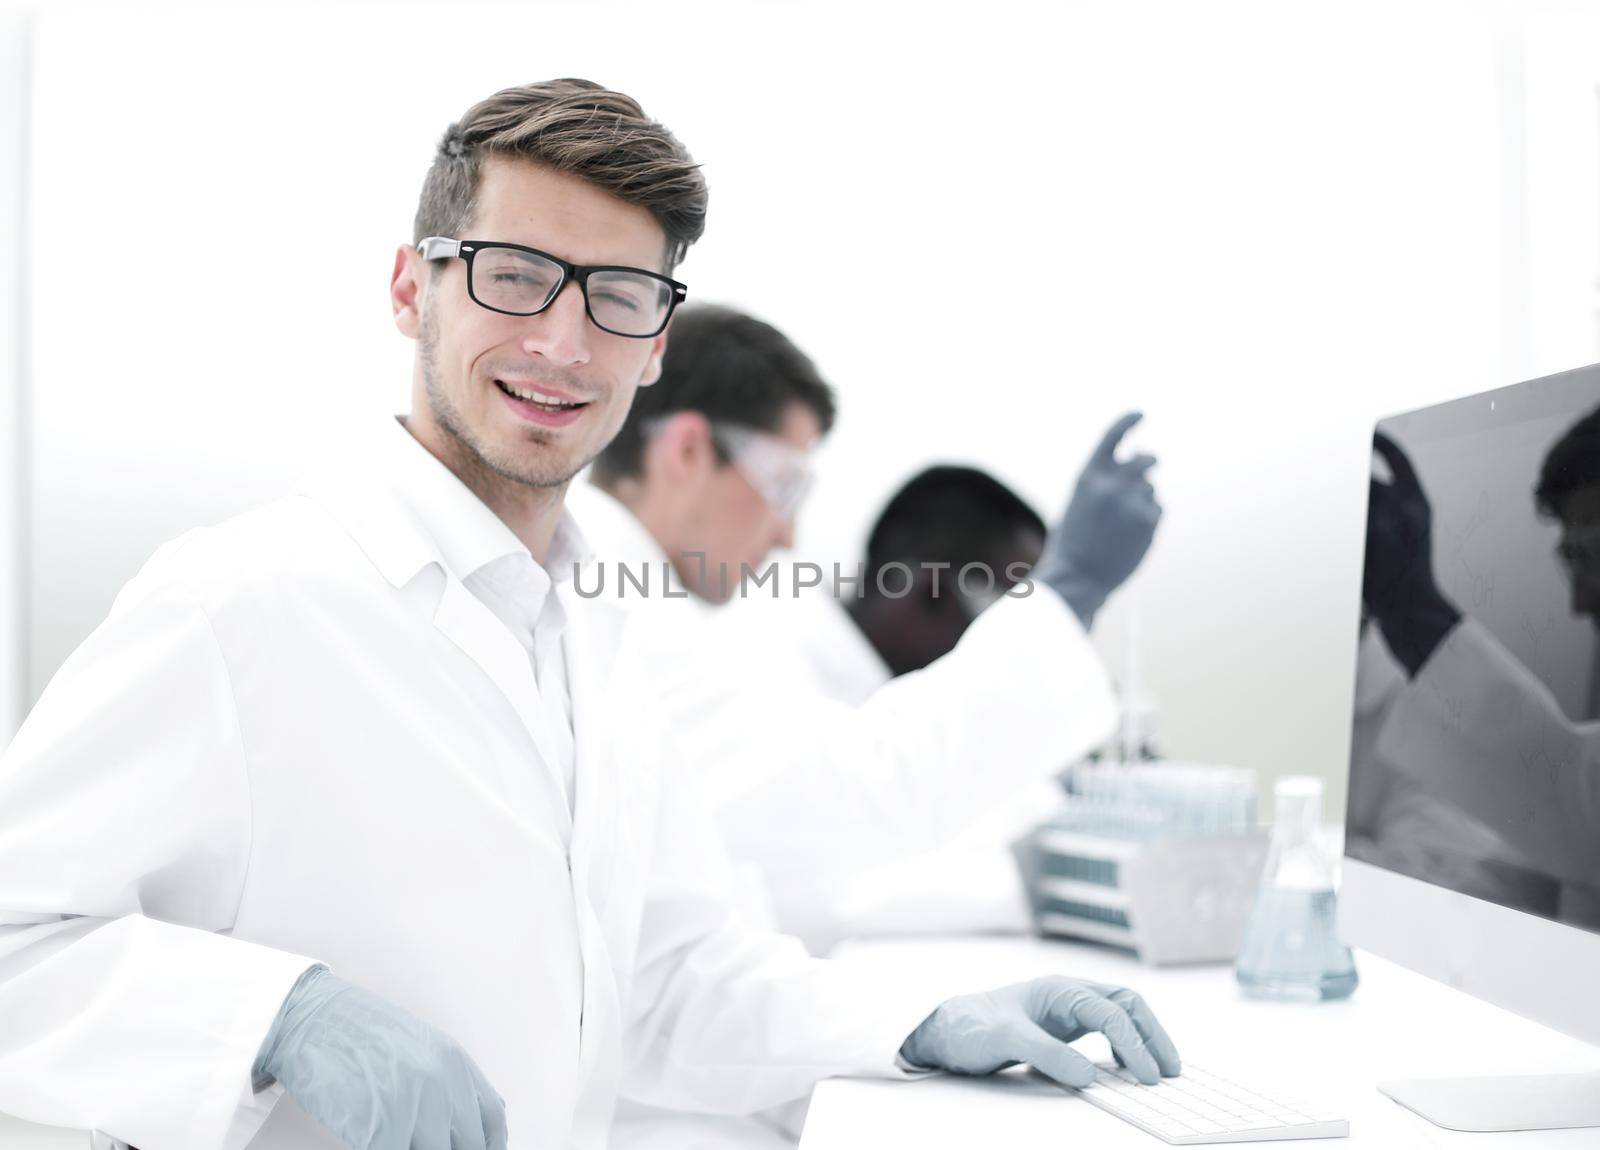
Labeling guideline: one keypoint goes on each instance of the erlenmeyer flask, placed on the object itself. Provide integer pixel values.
(1291, 947)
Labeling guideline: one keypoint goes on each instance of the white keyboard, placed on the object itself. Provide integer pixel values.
(1199, 1107)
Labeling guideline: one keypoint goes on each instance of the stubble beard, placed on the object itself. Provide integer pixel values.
(535, 468)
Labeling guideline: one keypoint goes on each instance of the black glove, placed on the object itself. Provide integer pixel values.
(1398, 584)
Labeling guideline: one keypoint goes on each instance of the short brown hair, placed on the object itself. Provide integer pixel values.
(728, 366)
(574, 126)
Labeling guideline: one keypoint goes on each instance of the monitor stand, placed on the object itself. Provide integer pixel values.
(1534, 1102)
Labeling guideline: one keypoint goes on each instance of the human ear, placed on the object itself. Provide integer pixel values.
(405, 290)
(658, 351)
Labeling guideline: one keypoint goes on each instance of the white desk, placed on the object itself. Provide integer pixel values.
(15, 1134)
(1396, 1025)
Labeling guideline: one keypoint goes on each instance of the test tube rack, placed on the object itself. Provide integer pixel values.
(1170, 899)
(1167, 891)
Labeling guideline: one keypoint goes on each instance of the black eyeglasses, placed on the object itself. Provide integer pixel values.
(516, 280)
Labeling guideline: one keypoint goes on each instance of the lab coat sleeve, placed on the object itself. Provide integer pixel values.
(728, 1018)
(1023, 695)
(124, 838)
(1482, 734)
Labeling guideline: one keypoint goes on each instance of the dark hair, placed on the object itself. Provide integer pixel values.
(948, 514)
(727, 366)
(574, 126)
(1573, 463)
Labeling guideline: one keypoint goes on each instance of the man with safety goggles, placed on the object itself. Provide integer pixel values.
(815, 786)
(816, 781)
(708, 473)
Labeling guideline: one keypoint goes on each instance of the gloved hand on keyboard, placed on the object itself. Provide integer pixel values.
(376, 1076)
(1032, 1022)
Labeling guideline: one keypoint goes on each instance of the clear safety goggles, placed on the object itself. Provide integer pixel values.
(780, 472)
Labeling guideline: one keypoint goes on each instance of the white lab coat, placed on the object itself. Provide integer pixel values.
(830, 781)
(968, 885)
(828, 649)
(298, 737)
(815, 788)
(1484, 736)
(1400, 823)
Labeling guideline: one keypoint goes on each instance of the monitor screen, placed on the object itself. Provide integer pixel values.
(1475, 753)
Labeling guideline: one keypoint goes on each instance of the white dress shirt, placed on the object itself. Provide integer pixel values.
(497, 568)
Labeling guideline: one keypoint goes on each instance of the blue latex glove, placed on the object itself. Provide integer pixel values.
(376, 1076)
(1107, 527)
(1032, 1022)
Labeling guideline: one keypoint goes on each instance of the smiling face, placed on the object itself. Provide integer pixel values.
(528, 400)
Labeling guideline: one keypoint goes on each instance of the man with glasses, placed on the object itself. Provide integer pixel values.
(352, 801)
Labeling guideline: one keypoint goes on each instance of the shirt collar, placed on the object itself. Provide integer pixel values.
(466, 533)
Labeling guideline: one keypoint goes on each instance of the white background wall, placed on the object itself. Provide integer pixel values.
(1560, 274)
(13, 352)
(1264, 224)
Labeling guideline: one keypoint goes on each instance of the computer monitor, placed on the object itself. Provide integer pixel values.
(1472, 836)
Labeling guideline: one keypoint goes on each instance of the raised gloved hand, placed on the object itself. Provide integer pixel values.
(1032, 1022)
(1398, 586)
(1107, 527)
(376, 1076)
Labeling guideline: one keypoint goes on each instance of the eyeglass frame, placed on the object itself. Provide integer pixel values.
(444, 248)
